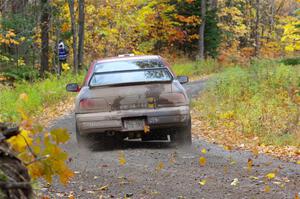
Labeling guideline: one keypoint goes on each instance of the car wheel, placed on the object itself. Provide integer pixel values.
(82, 140)
(183, 135)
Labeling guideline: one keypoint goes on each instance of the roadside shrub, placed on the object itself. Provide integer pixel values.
(40, 94)
(21, 73)
(291, 61)
(262, 100)
(196, 68)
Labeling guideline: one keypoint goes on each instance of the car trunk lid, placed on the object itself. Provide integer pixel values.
(115, 98)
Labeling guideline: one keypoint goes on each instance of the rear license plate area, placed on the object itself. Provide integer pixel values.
(134, 124)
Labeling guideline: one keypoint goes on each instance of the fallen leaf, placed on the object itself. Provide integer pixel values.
(267, 189)
(253, 177)
(250, 165)
(103, 188)
(122, 159)
(228, 148)
(202, 161)
(159, 166)
(71, 195)
(255, 152)
(202, 182)
(298, 162)
(277, 183)
(204, 151)
(235, 182)
(90, 192)
(271, 176)
(146, 129)
(285, 179)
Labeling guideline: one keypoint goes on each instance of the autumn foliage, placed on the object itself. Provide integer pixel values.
(40, 150)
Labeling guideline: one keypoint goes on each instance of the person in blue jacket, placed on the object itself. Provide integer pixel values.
(62, 51)
(62, 54)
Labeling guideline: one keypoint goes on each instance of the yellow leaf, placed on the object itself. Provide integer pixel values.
(159, 166)
(71, 196)
(298, 162)
(23, 97)
(146, 129)
(122, 159)
(22, 38)
(228, 148)
(250, 164)
(65, 175)
(267, 189)
(203, 151)
(202, 182)
(36, 169)
(65, 67)
(60, 135)
(202, 161)
(65, 27)
(20, 142)
(271, 176)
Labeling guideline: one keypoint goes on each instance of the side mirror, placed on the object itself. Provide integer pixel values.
(183, 79)
(73, 87)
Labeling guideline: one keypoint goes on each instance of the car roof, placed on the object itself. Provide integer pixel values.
(126, 58)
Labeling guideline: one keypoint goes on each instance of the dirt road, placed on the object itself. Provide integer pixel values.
(160, 170)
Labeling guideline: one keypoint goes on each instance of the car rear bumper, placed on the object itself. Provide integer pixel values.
(113, 121)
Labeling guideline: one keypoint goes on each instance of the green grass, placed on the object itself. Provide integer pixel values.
(196, 68)
(259, 100)
(40, 94)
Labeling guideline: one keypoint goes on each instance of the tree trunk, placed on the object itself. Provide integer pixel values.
(18, 6)
(213, 4)
(45, 19)
(73, 29)
(257, 35)
(81, 33)
(14, 177)
(202, 29)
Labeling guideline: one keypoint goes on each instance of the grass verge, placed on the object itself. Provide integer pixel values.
(261, 101)
(35, 96)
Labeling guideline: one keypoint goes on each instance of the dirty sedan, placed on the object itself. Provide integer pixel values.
(133, 97)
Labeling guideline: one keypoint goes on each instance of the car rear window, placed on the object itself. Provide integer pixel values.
(131, 77)
(128, 65)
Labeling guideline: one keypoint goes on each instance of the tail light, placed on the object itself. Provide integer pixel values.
(93, 104)
(171, 99)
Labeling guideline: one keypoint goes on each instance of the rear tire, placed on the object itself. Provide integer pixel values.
(183, 136)
(82, 140)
